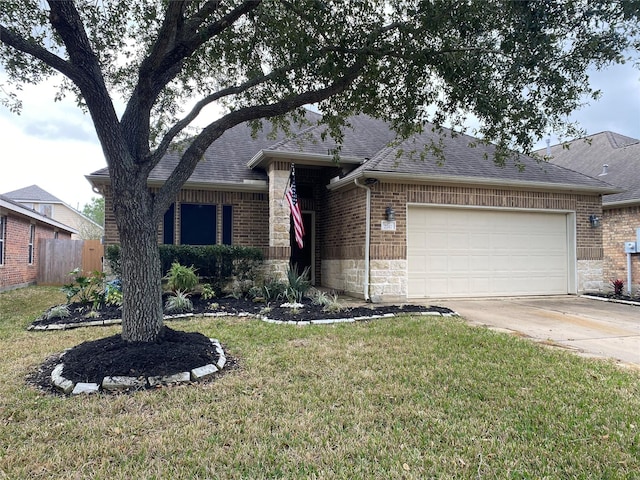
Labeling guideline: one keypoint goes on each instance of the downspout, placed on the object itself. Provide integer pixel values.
(367, 240)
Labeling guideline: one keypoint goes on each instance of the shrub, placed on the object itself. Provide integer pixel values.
(207, 292)
(112, 255)
(178, 302)
(299, 284)
(218, 264)
(85, 288)
(618, 286)
(59, 311)
(181, 278)
(113, 292)
(273, 290)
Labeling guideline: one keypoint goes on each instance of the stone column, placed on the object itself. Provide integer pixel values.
(279, 220)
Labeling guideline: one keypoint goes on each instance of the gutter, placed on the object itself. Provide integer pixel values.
(476, 181)
(367, 241)
(307, 158)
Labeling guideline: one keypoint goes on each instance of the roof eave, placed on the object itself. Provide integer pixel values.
(479, 181)
(621, 203)
(247, 186)
(25, 212)
(261, 158)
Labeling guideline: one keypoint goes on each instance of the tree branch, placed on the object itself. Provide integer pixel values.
(214, 130)
(8, 37)
(177, 40)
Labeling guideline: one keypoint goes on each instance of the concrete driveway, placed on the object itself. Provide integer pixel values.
(589, 327)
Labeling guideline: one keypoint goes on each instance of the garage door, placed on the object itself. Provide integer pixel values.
(457, 252)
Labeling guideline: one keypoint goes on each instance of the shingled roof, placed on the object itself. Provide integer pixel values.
(588, 155)
(368, 145)
(450, 157)
(32, 194)
(24, 211)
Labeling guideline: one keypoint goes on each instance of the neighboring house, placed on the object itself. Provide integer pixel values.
(384, 224)
(21, 229)
(41, 201)
(614, 159)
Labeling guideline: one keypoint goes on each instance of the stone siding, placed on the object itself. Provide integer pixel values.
(590, 275)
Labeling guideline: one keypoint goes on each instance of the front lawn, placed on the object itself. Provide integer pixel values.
(407, 397)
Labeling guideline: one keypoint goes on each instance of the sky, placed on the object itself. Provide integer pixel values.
(54, 145)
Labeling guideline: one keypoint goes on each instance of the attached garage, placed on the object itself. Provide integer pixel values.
(460, 252)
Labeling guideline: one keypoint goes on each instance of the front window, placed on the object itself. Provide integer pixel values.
(227, 224)
(32, 239)
(197, 224)
(3, 238)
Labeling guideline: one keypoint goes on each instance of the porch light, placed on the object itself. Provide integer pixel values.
(390, 213)
(594, 221)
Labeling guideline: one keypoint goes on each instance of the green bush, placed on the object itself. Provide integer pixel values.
(181, 278)
(88, 288)
(215, 264)
(112, 254)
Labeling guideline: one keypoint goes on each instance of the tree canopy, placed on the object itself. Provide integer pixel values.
(519, 66)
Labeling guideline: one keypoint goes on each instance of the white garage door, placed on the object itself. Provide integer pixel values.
(458, 252)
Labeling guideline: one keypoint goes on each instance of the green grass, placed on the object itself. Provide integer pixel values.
(410, 397)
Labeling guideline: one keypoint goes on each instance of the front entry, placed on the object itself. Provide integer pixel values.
(303, 257)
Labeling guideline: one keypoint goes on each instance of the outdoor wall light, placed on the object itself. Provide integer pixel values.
(390, 213)
(594, 221)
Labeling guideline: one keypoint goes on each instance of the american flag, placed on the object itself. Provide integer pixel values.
(294, 206)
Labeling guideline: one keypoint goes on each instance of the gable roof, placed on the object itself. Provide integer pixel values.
(620, 153)
(19, 209)
(461, 159)
(32, 194)
(225, 161)
(237, 161)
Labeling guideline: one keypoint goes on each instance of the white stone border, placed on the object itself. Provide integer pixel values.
(121, 383)
(612, 300)
(327, 321)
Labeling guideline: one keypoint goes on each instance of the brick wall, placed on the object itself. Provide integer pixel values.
(343, 243)
(250, 215)
(16, 270)
(618, 226)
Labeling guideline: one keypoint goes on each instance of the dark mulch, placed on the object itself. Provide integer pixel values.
(613, 296)
(233, 306)
(177, 351)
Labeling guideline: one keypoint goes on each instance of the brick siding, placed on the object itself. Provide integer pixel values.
(619, 225)
(250, 215)
(16, 270)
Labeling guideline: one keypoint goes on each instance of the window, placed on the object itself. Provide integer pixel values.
(227, 224)
(168, 228)
(3, 238)
(46, 209)
(197, 224)
(32, 239)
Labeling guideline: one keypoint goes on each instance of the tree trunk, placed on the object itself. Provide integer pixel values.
(142, 309)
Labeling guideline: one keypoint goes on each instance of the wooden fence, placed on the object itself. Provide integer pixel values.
(56, 258)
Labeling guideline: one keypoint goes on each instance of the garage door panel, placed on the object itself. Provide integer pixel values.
(467, 252)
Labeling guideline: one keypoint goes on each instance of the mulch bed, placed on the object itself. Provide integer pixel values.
(177, 351)
(234, 306)
(613, 296)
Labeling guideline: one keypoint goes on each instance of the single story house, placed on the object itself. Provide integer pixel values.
(47, 204)
(390, 221)
(21, 229)
(615, 159)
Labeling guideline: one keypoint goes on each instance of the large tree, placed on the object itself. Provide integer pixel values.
(519, 66)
